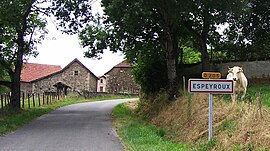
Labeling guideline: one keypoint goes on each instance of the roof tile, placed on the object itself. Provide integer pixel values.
(33, 71)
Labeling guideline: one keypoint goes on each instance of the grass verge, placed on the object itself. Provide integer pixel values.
(139, 135)
(10, 121)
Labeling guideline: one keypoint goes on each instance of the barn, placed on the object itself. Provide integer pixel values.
(41, 78)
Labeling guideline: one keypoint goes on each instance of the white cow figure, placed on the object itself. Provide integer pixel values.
(239, 81)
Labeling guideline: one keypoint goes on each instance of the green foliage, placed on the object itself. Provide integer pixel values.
(264, 89)
(151, 105)
(138, 135)
(21, 28)
(252, 89)
(191, 56)
(207, 146)
(150, 73)
(247, 37)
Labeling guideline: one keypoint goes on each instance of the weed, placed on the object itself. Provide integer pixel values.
(207, 146)
(138, 135)
(228, 125)
(237, 147)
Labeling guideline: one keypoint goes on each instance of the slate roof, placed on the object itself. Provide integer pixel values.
(123, 64)
(33, 71)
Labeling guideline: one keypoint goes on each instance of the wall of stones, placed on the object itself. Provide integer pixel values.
(120, 80)
(26, 87)
(75, 76)
(252, 69)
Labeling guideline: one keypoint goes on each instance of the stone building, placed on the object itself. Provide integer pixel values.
(120, 80)
(37, 78)
(101, 84)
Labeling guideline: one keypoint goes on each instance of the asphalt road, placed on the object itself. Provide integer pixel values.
(78, 127)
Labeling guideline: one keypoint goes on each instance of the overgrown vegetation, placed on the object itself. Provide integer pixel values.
(12, 120)
(235, 127)
(138, 135)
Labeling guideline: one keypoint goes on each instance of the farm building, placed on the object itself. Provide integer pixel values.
(40, 78)
(118, 80)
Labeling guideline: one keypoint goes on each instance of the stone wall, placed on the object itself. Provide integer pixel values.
(74, 76)
(26, 87)
(252, 69)
(120, 80)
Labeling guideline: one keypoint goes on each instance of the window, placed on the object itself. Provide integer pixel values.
(101, 80)
(76, 73)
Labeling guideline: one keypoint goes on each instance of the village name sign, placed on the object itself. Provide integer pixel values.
(216, 86)
(210, 86)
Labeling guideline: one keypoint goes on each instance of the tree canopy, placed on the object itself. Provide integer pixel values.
(137, 27)
(21, 28)
(155, 35)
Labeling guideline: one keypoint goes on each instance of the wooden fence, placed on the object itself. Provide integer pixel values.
(29, 100)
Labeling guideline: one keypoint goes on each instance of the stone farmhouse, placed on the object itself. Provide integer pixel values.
(118, 80)
(40, 78)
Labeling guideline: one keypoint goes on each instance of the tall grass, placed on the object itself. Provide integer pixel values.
(264, 89)
(252, 89)
(138, 135)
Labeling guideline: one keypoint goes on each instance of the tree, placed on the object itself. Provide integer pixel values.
(247, 37)
(133, 26)
(256, 30)
(21, 28)
(203, 20)
(137, 27)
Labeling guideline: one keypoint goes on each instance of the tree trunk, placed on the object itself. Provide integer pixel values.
(204, 56)
(203, 45)
(15, 79)
(171, 66)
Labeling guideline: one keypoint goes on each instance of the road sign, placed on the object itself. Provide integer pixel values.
(211, 75)
(215, 86)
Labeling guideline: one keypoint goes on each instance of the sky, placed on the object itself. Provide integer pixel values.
(61, 49)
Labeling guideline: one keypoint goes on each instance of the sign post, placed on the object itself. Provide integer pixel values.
(210, 86)
(210, 117)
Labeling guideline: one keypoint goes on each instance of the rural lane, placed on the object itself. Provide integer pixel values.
(77, 127)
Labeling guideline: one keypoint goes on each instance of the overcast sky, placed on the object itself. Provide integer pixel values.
(61, 49)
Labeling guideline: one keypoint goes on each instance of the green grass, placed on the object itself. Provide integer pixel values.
(11, 120)
(138, 135)
(264, 89)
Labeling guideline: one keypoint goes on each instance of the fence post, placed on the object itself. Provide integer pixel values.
(2, 102)
(5, 100)
(50, 96)
(47, 99)
(23, 99)
(258, 94)
(33, 96)
(43, 98)
(28, 98)
(8, 99)
(38, 99)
